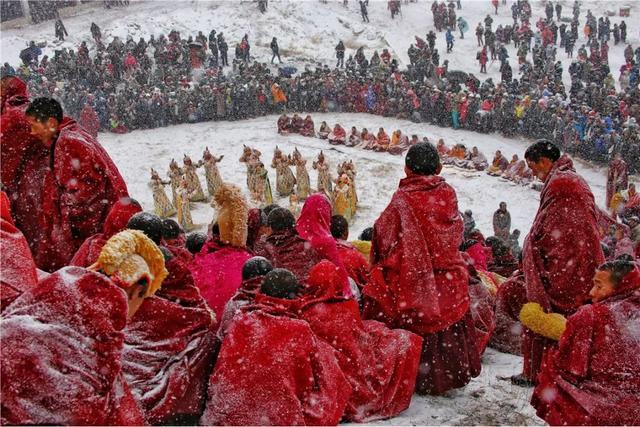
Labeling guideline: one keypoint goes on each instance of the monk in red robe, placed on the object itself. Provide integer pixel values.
(116, 221)
(65, 188)
(382, 141)
(420, 282)
(18, 273)
(593, 377)
(338, 136)
(308, 127)
(511, 296)
(380, 364)
(617, 177)
(16, 131)
(284, 248)
(70, 373)
(562, 250)
(284, 125)
(297, 123)
(357, 266)
(287, 376)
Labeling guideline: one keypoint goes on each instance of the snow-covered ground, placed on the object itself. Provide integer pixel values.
(378, 173)
(307, 32)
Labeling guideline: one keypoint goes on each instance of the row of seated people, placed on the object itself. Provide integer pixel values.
(516, 170)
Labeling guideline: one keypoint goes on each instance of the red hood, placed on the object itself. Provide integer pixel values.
(15, 91)
(119, 215)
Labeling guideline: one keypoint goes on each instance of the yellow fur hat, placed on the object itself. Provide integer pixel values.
(550, 325)
(130, 255)
(233, 214)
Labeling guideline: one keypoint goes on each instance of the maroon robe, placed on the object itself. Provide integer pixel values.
(420, 282)
(70, 371)
(307, 128)
(593, 377)
(18, 273)
(512, 295)
(273, 370)
(63, 195)
(561, 252)
(286, 249)
(380, 363)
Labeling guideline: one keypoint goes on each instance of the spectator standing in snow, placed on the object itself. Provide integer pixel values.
(449, 37)
(275, 50)
(364, 12)
(340, 54)
(60, 30)
(502, 222)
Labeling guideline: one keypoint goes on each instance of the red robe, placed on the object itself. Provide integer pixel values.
(617, 178)
(16, 138)
(115, 222)
(170, 346)
(338, 136)
(64, 194)
(561, 252)
(297, 124)
(512, 295)
(410, 288)
(357, 267)
(89, 121)
(380, 364)
(286, 249)
(307, 128)
(273, 370)
(18, 273)
(593, 377)
(284, 125)
(70, 371)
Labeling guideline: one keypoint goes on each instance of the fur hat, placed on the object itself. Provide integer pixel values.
(233, 214)
(129, 256)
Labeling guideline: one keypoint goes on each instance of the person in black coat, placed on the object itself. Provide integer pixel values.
(276, 50)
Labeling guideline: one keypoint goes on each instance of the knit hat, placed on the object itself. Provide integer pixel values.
(130, 256)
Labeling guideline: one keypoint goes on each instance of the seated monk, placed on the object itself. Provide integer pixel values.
(399, 143)
(324, 131)
(217, 269)
(456, 154)
(443, 151)
(284, 248)
(354, 138)
(284, 125)
(502, 260)
(511, 296)
(474, 160)
(307, 127)
(511, 167)
(170, 349)
(288, 376)
(593, 376)
(498, 165)
(357, 266)
(368, 140)
(382, 141)
(337, 136)
(297, 123)
(381, 364)
(434, 303)
(116, 221)
(253, 272)
(74, 320)
(18, 273)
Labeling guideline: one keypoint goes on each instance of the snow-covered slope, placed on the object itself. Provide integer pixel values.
(307, 30)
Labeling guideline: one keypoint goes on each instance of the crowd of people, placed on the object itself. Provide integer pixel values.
(172, 79)
(272, 316)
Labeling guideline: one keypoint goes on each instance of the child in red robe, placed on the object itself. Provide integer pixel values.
(593, 377)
